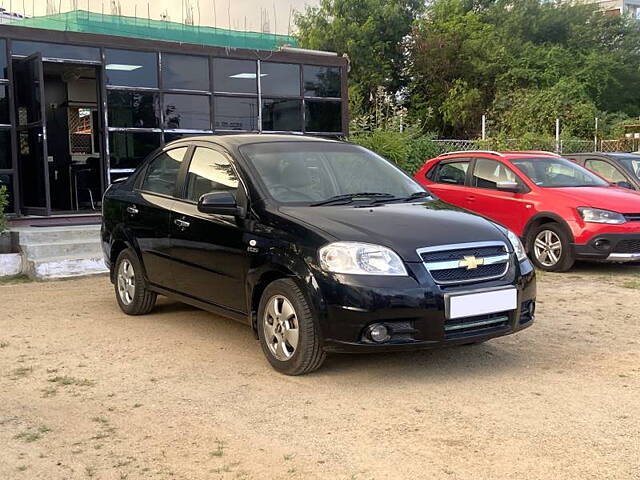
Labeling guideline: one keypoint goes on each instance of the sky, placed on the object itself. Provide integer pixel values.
(274, 15)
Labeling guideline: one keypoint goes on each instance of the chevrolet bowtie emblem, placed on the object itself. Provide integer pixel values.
(470, 263)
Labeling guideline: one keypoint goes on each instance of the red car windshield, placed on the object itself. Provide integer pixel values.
(556, 172)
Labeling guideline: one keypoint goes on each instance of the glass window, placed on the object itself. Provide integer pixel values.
(5, 149)
(323, 116)
(632, 162)
(282, 115)
(236, 113)
(280, 79)
(235, 76)
(187, 111)
(209, 171)
(557, 173)
(4, 73)
(4, 106)
(55, 50)
(487, 174)
(7, 181)
(82, 138)
(452, 172)
(606, 170)
(321, 81)
(133, 109)
(129, 149)
(308, 171)
(162, 174)
(131, 69)
(185, 72)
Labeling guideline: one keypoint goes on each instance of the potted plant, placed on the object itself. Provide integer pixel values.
(10, 260)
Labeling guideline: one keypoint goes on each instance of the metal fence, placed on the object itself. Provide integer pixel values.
(564, 146)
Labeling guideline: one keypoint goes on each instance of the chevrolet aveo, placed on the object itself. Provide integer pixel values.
(318, 245)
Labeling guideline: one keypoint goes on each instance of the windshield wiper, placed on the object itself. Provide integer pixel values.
(413, 196)
(350, 197)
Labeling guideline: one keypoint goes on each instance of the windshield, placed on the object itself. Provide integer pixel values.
(632, 162)
(315, 172)
(556, 172)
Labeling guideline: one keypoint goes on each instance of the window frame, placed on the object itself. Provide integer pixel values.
(471, 178)
(469, 160)
(139, 183)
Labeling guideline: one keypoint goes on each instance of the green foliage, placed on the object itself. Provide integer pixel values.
(408, 149)
(4, 201)
(523, 62)
(369, 32)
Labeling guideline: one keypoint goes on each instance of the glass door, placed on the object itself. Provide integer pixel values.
(32, 136)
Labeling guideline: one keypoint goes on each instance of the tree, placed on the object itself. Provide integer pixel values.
(369, 32)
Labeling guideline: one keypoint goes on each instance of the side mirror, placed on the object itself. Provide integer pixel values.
(219, 203)
(624, 184)
(508, 187)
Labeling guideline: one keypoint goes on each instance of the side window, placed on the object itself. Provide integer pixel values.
(452, 172)
(487, 173)
(209, 171)
(605, 169)
(162, 174)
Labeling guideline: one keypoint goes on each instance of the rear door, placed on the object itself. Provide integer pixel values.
(507, 208)
(148, 213)
(449, 177)
(209, 251)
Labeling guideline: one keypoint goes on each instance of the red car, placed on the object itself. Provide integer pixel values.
(562, 211)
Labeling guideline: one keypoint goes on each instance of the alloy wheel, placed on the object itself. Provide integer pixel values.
(126, 282)
(547, 247)
(281, 327)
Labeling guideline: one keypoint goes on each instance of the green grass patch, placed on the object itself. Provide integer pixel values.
(14, 279)
(32, 434)
(633, 284)
(67, 380)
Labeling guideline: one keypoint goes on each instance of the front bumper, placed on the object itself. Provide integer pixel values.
(413, 308)
(612, 247)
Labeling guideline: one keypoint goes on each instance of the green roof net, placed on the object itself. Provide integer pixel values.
(89, 22)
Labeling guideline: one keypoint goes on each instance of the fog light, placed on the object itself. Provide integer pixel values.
(602, 244)
(379, 333)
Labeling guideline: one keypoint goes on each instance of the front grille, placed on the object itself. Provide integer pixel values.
(627, 246)
(441, 256)
(632, 217)
(464, 275)
(466, 262)
(476, 325)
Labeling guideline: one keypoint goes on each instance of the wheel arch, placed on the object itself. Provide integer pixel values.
(541, 219)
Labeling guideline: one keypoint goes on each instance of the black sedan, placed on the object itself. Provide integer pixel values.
(318, 245)
(623, 169)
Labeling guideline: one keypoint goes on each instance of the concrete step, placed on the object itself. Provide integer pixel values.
(78, 248)
(64, 266)
(41, 235)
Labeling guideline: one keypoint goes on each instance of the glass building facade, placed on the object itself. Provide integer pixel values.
(118, 104)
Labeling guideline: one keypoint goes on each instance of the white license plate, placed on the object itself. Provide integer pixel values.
(482, 303)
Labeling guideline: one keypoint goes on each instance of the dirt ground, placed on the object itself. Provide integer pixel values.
(87, 392)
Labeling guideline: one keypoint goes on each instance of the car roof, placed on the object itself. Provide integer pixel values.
(239, 139)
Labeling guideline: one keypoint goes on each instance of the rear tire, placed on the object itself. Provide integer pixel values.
(132, 292)
(288, 331)
(550, 248)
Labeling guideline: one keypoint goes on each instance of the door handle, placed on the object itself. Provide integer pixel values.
(132, 209)
(471, 198)
(181, 223)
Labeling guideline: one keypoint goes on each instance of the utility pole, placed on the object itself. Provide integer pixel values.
(484, 127)
(595, 137)
(558, 136)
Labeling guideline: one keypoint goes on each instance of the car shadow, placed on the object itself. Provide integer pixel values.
(606, 268)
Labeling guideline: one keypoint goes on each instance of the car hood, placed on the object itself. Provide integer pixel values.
(617, 199)
(401, 227)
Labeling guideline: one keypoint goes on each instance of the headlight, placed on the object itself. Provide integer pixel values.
(595, 215)
(360, 259)
(518, 248)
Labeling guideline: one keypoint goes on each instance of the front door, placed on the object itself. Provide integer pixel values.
(32, 136)
(208, 250)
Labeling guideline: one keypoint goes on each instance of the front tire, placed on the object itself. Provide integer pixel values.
(288, 332)
(550, 248)
(132, 292)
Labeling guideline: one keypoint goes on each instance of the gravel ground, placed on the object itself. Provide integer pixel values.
(87, 392)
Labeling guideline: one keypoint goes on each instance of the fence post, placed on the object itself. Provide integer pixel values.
(484, 127)
(558, 146)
